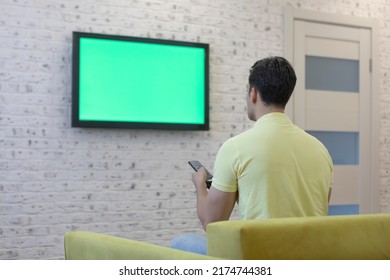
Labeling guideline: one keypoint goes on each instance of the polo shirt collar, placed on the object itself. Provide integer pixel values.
(275, 117)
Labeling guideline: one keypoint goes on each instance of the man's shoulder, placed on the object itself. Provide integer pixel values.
(239, 137)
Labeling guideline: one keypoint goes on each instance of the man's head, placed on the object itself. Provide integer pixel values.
(274, 79)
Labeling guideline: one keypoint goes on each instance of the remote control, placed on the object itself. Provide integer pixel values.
(196, 165)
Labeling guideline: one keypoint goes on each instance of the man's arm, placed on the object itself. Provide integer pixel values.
(212, 205)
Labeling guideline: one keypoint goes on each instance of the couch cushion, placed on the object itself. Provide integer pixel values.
(96, 246)
(330, 237)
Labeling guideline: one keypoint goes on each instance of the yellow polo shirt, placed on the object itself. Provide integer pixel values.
(278, 169)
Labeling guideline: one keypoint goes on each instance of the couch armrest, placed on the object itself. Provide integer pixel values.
(95, 246)
(330, 237)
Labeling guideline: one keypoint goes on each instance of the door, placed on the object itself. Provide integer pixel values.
(333, 102)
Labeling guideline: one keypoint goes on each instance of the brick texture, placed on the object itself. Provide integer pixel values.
(130, 183)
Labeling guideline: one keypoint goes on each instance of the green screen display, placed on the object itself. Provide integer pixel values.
(139, 83)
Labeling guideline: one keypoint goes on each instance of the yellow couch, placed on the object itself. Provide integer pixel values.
(332, 237)
(95, 246)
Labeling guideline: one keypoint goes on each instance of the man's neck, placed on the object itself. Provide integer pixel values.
(263, 110)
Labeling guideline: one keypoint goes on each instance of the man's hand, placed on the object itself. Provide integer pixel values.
(199, 179)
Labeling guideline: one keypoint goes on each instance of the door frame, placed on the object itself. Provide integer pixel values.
(290, 15)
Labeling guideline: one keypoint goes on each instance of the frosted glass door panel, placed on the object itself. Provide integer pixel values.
(332, 74)
(352, 209)
(343, 147)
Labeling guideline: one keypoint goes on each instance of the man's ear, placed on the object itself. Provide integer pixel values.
(253, 95)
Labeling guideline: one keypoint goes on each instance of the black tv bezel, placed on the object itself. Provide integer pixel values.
(75, 116)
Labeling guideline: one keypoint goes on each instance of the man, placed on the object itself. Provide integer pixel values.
(273, 170)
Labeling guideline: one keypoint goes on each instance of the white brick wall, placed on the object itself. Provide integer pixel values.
(130, 183)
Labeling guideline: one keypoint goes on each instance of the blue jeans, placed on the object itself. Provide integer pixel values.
(191, 243)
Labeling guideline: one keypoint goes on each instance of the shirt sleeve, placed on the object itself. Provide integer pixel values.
(225, 168)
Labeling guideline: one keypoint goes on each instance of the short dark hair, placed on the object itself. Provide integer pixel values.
(274, 79)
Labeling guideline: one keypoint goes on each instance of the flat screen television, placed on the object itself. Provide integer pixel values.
(142, 83)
